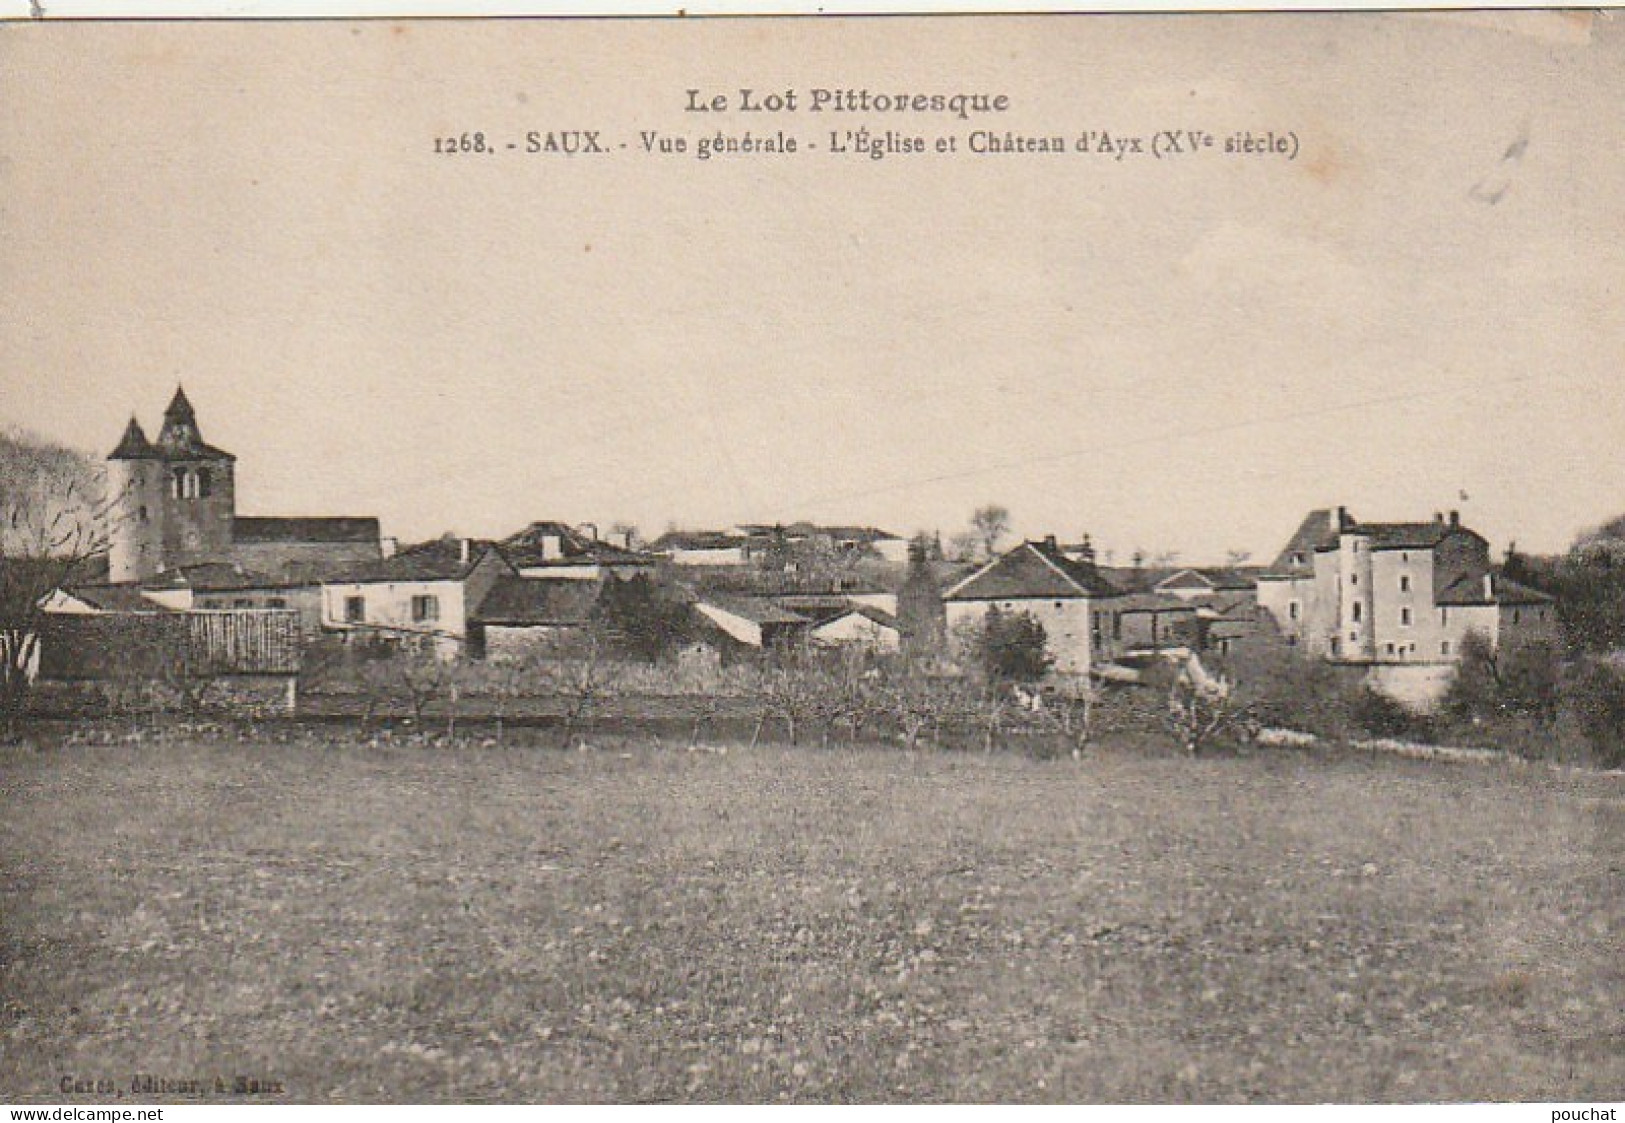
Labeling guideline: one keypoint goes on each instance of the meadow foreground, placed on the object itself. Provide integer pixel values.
(408, 923)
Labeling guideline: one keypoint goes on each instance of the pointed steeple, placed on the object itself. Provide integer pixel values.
(180, 410)
(134, 444)
(180, 436)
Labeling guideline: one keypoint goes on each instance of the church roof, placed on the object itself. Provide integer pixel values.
(134, 444)
(180, 438)
(250, 528)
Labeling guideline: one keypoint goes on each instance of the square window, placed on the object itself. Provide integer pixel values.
(355, 609)
(425, 608)
(1405, 616)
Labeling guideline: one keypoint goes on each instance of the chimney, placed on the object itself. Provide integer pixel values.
(1343, 519)
(1489, 587)
(465, 548)
(387, 545)
(1049, 543)
(1086, 553)
(1455, 519)
(1438, 517)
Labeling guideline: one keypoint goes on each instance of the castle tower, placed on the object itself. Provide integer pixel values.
(173, 502)
(134, 493)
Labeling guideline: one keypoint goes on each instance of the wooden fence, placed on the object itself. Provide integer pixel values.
(118, 645)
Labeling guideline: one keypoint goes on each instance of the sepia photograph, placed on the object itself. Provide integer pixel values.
(960, 559)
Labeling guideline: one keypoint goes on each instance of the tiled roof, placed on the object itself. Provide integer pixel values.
(1400, 536)
(115, 598)
(1033, 570)
(258, 529)
(754, 609)
(216, 577)
(697, 540)
(1317, 527)
(1468, 589)
(537, 601)
(1217, 579)
(527, 549)
(439, 560)
(571, 541)
(804, 529)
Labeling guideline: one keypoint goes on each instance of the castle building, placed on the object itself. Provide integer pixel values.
(1383, 593)
(173, 507)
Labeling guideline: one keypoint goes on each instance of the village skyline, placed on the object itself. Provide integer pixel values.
(1424, 307)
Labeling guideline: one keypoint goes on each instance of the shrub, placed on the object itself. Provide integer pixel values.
(639, 620)
(1595, 693)
(1379, 715)
(1491, 684)
(1011, 647)
(1279, 688)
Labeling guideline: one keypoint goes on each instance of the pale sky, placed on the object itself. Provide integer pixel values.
(1173, 355)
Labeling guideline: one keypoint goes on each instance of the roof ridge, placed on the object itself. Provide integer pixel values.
(1049, 561)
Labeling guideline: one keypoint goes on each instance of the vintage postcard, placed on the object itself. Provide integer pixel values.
(960, 559)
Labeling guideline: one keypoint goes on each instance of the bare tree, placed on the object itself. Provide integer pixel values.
(966, 546)
(787, 692)
(53, 524)
(991, 523)
(1200, 706)
(583, 680)
(1072, 718)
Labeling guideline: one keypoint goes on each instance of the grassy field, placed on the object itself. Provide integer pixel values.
(399, 923)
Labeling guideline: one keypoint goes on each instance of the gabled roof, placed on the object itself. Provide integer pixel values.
(527, 549)
(439, 560)
(537, 601)
(570, 539)
(1216, 579)
(134, 444)
(325, 529)
(1034, 570)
